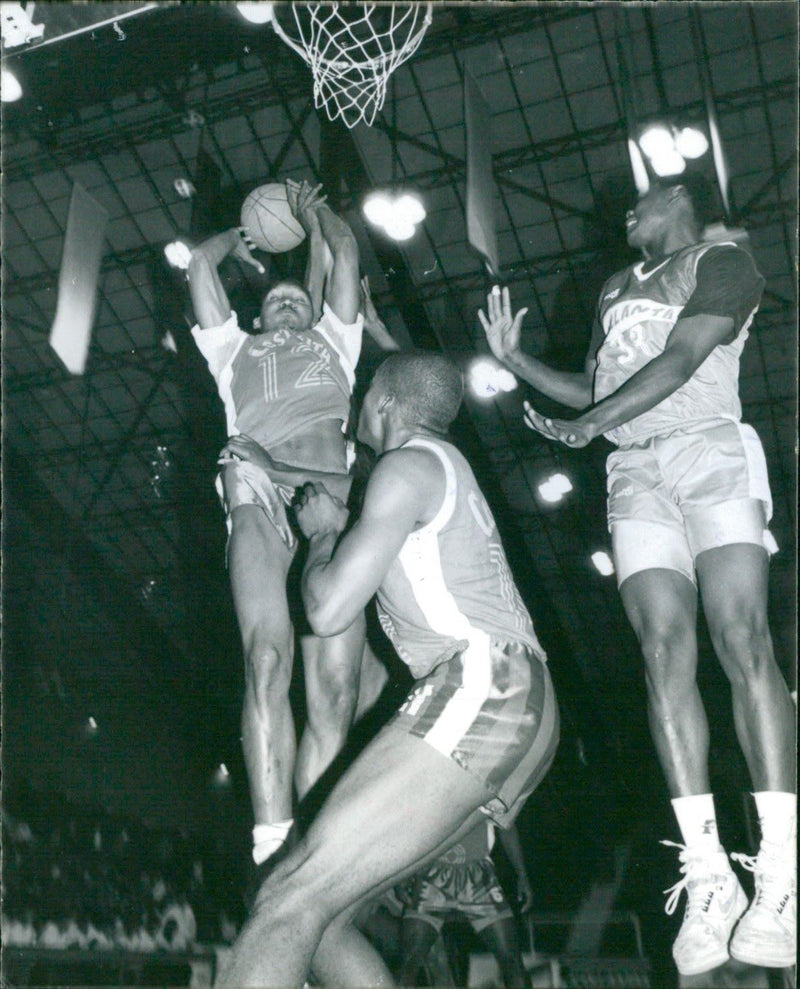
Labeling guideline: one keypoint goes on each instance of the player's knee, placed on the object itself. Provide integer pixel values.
(743, 641)
(668, 650)
(267, 670)
(334, 700)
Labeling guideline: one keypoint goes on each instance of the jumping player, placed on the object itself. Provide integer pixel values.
(688, 506)
(286, 392)
(478, 730)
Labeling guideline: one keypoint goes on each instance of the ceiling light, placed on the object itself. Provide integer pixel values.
(553, 488)
(603, 563)
(397, 214)
(487, 378)
(178, 254)
(668, 163)
(378, 208)
(10, 88)
(256, 13)
(656, 140)
(691, 142)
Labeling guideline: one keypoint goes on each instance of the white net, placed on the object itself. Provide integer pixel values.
(352, 49)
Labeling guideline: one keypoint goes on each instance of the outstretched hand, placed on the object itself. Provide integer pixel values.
(573, 433)
(243, 248)
(304, 200)
(318, 512)
(243, 447)
(501, 328)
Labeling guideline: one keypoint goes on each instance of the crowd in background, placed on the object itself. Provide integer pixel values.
(81, 878)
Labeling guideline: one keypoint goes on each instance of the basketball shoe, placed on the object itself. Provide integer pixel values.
(767, 934)
(715, 901)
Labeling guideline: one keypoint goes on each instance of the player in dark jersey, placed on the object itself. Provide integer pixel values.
(286, 392)
(462, 885)
(688, 505)
(477, 732)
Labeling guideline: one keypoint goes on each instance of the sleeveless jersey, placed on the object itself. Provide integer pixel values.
(278, 385)
(450, 586)
(638, 310)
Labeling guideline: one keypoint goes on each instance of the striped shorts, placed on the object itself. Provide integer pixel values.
(507, 739)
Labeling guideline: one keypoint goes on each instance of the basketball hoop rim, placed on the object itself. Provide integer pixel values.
(321, 63)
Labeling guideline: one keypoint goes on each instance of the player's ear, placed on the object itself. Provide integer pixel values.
(386, 402)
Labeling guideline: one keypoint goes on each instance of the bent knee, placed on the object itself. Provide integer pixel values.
(333, 700)
(268, 668)
(744, 645)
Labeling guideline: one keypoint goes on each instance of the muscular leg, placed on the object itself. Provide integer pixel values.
(399, 801)
(374, 677)
(502, 939)
(417, 940)
(733, 584)
(258, 563)
(662, 608)
(332, 668)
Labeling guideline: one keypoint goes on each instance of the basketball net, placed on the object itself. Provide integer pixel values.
(352, 52)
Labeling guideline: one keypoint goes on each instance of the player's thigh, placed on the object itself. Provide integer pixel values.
(398, 802)
(661, 605)
(733, 586)
(258, 564)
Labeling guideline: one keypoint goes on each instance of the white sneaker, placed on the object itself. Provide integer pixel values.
(767, 934)
(715, 901)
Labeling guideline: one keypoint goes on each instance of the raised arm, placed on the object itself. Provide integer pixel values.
(209, 299)
(373, 324)
(342, 287)
(573, 389)
(339, 580)
(303, 200)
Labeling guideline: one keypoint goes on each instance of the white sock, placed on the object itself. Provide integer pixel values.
(697, 820)
(777, 815)
(268, 838)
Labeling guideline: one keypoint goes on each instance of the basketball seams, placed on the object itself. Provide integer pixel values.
(268, 219)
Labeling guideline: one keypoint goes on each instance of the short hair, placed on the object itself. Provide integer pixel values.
(428, 387)
(700, 192)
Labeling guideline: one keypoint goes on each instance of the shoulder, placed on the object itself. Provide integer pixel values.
(413, 474)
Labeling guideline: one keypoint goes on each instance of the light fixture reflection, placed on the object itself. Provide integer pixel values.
(603, 563)
(256, 13)
(691, 142)
(10, 89)
(553, 488)
(398, 215)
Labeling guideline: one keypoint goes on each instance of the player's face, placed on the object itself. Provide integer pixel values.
(286, 307)
(645, 223)
(370, 422)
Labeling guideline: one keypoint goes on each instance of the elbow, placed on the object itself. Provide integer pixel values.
(345, 248)
(326, 617)
(199, 262)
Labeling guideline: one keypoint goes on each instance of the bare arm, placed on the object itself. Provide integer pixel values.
(373, 324)
(210, 301)
(243, 447)
(303, 200)
(342, 287)
(688, 345)
(573, 389)
(339, 580)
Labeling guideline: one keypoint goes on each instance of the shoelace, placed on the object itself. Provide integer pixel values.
(771, 884)
(688, 863)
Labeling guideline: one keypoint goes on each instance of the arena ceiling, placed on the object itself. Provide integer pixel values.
(116, 464)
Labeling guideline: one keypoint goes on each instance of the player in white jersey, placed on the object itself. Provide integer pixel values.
(688, 507)
(286, 392)
(477, 732)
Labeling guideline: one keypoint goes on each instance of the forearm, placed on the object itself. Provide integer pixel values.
(215, 249)
(325, 613)
(315, 269)
(645, 389)
(337, 233)
(573, 389)
(384, 339)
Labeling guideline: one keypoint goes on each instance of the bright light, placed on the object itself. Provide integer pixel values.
(487, 378)
(92, 724)
(399, 228)
(640, 176)
(398, 215)
(222, 777)
(668, 163)
(691, 142)
(410, 208)
(256, 13)
(223, 769)
(656, 140)
(178, 254)
(378, 208)
(553, 489)
(603, 563)
(10, 89)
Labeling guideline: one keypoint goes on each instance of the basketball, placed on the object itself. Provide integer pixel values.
(268, 220)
